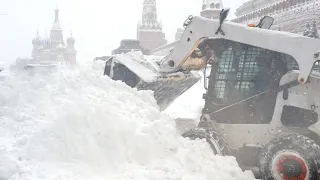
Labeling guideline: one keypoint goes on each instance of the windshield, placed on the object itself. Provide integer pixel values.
(245, 70)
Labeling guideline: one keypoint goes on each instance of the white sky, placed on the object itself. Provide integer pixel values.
(97, 25)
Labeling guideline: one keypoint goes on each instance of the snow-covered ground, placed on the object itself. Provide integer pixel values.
(78, 124)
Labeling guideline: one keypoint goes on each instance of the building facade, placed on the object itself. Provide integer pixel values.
(211, 9)
(149, 30)
(128, 45)
(54, 48)
(290, 15)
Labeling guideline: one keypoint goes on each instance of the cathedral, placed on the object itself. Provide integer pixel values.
(149, 30)
(54, 48)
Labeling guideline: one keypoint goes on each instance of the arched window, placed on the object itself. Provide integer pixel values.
(212, 5)
(218, 6)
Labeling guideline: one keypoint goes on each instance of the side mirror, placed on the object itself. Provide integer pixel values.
(265, 23)
(223, 15)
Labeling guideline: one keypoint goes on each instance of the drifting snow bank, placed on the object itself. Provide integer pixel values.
(81, 125)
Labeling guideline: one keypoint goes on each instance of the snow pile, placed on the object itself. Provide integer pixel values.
(81, 125)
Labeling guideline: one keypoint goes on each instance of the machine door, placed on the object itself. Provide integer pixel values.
(241, 86)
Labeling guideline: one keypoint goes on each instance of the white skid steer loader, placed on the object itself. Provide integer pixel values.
(262, 95)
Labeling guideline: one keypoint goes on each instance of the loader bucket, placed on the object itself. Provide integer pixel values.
(136, 74)
(167, 89)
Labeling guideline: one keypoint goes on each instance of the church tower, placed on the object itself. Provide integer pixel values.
(56, 35)
(149, 30)
(70, 54)
(37, 43)
(211, 9)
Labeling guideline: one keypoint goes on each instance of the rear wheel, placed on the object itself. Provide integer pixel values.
(216, 142)
(290, 157)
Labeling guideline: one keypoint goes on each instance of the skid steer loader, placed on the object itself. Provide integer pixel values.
(262, 94)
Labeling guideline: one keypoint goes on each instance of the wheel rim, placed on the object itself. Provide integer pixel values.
(288, 165)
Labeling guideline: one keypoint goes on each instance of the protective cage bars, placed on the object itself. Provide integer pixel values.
(237, 70)
(242, 67)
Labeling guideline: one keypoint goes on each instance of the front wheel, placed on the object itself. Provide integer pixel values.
(290, 157)
(216, 142)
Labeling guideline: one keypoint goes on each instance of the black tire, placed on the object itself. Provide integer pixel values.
(215, 140)
(284, 152)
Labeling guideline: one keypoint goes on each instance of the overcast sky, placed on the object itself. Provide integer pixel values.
(97, 25)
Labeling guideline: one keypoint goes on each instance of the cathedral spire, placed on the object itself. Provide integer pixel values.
(56, 23)
(56, 36)
(37, 35)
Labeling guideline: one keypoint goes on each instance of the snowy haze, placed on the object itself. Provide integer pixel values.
(98, 25)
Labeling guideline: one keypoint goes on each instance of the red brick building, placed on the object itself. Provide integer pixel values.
(149, 30)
